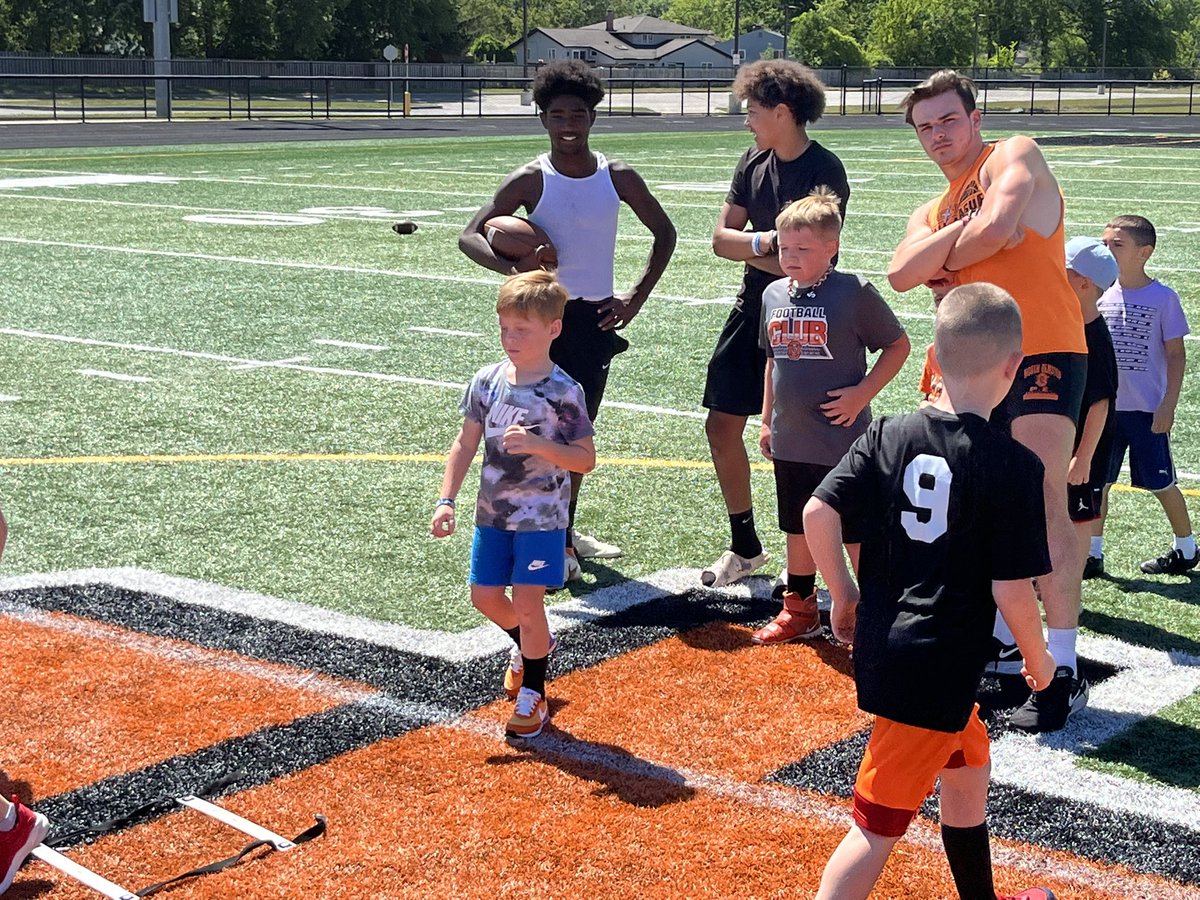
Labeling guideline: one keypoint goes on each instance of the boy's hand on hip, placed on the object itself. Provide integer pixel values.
(845, 406)
(618, 311)
(1039, 672)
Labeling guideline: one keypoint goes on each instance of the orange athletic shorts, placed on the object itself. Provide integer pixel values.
(901, 766)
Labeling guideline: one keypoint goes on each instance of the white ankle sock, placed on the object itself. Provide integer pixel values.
(1002, 632)
(1186, 545)
(1061, 642)
(1096, 548)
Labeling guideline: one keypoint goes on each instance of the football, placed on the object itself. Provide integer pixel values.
(517, 239)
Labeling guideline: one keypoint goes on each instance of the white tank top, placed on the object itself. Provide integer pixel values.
(580, 215)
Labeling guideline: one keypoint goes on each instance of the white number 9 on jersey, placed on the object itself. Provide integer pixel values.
(935, 499)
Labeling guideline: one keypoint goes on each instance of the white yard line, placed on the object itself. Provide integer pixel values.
(450, 332)
(349, 345)
(114, 376)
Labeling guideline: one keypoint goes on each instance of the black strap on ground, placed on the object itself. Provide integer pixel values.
(304, 837)
(141, 814)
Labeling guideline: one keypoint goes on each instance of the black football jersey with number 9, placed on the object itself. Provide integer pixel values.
(948, 504)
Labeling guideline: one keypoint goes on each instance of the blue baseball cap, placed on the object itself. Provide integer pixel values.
(1091, 259)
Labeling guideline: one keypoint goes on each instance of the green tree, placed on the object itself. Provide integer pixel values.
(488, 47)
(822, 36)
(304, 27)
(250, 33)
(920, 33)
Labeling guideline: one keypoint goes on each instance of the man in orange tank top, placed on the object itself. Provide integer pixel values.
(1000, 220)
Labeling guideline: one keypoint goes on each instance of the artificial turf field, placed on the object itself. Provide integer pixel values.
(226, 388)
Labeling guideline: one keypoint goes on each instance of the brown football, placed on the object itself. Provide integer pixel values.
(515, 238)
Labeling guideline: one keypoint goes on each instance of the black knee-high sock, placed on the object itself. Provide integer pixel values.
(744, 538)
(970, 858)
(515, 634)
(535, 674)
(803, 585)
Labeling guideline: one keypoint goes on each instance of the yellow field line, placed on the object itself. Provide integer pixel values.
(162, 458)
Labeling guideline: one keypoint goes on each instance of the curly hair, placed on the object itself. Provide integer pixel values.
(774, 81)
(567, 76)
(935, 85)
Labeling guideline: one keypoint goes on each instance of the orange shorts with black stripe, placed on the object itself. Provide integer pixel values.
(901, 767)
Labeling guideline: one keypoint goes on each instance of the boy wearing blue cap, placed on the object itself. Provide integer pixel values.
(1091, 270)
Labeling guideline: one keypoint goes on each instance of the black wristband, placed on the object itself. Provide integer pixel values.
(445, 501)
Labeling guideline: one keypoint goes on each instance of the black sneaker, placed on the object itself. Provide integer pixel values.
(1093, 568)
(1006, 659)
(1049, 709)
(1173, 563)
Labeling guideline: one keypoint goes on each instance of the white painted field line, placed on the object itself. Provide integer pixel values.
(445, 331)
(9, 398)
(349, 345)
(270, 364)
(222, 358)
(114, 376)
(177, 651)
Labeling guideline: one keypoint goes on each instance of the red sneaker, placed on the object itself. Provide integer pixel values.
(16, 843)
(799, 621)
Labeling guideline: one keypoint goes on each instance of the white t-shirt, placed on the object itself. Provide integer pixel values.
(1141, 321)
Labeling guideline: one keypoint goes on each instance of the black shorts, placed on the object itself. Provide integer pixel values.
(1050, 383)
(735, 373)
(584, 351)
(1083, 500)
(794, 486)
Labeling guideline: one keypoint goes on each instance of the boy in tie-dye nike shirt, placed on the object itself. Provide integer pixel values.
(523, 492)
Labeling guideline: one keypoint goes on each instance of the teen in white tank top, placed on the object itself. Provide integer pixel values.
(580, 215)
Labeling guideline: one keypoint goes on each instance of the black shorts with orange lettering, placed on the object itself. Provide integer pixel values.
(1050, 383)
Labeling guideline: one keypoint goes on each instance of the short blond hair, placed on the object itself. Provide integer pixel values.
(977, 327)
(821, 211)
(533, 294)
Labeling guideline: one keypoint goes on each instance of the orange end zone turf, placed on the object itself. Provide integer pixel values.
(96, 700)
(647, 784)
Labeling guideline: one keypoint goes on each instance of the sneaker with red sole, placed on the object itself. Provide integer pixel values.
(529, 715)
(15, 844)
(799, 621)
(1038, 893)
(516, 669)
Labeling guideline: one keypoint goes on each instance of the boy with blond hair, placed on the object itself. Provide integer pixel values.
(1148, 326)
(534, 423)
(953, 522)
(817, 326)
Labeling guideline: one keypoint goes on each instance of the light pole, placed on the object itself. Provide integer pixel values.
(787, 15)
(1104, 46)
(737, 27)
(979, 17)
(524, 39)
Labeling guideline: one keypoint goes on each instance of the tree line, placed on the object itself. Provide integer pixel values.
(1045, 33)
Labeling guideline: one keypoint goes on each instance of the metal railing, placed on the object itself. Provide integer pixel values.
(1107, 97)
(91, 97)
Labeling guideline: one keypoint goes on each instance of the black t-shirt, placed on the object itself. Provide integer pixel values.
(763, 186)
(947, 504)
(1101, 384)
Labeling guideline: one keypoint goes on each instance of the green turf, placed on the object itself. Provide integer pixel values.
(349, 534)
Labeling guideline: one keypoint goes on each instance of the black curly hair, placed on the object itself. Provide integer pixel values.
(567, 76)
(774, 81)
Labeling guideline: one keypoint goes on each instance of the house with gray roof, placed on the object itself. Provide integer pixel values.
(638, 41)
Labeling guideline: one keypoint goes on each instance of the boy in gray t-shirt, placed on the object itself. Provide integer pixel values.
(533, 421)
(817, 326)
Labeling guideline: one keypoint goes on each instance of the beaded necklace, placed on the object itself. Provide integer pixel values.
(795, 292)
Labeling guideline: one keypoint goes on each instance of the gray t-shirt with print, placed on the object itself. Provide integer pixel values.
(820, 343)
(519, 491)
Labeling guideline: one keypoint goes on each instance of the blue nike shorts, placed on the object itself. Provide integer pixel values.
(500, 558)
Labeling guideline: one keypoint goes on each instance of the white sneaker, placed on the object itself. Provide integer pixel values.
(730, 567)
(588, 547)
(571, 568)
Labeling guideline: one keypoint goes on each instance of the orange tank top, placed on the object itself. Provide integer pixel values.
(1034, 271)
